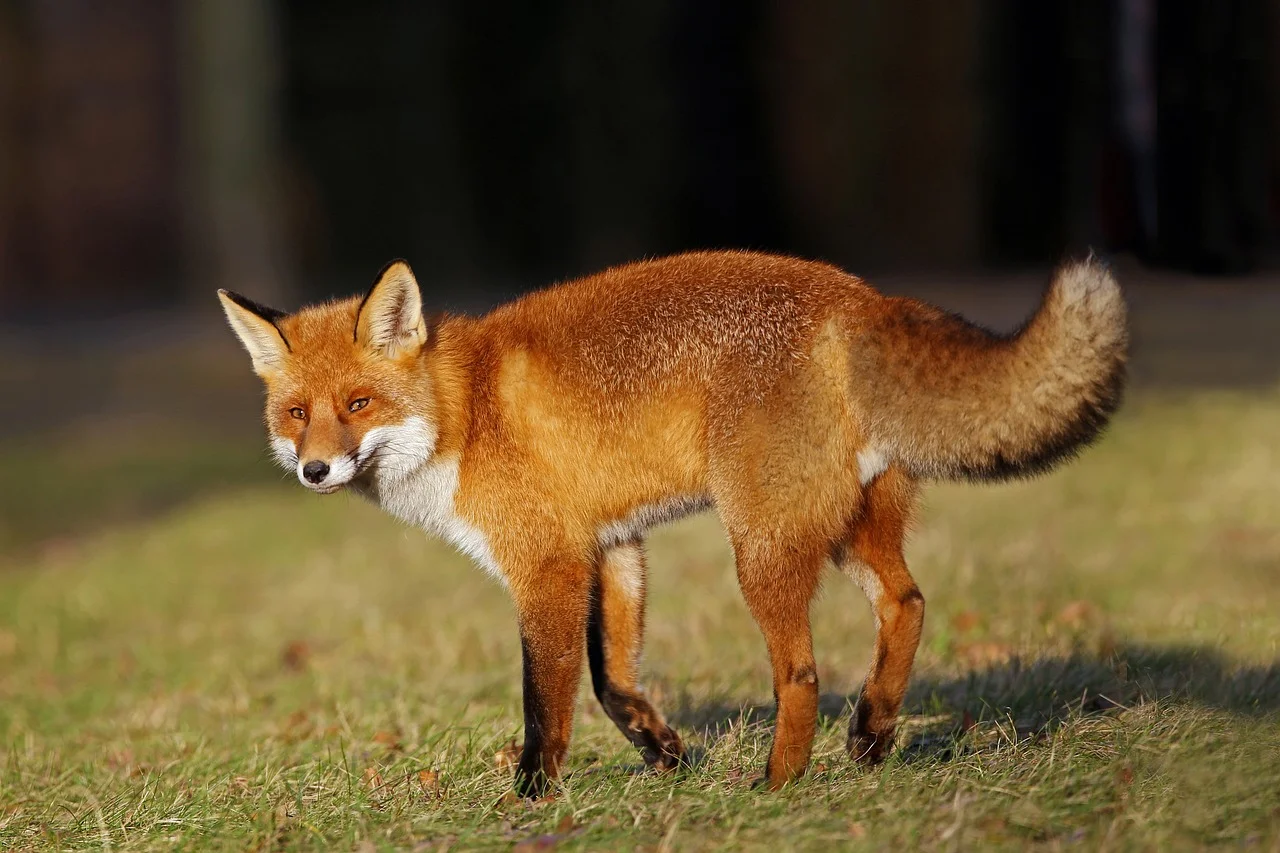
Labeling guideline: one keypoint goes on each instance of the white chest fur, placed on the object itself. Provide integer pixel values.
(420, 488)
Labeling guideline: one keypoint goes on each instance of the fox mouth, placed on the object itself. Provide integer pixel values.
(328, 477)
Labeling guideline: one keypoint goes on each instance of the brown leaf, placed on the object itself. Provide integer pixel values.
(857, 830)
(565, 829)
(285, 812)
(296, 655)
(1075, 614)
(390, 740)
(820, 767)
(372, 778)
(967, 723)
(983, 654)
(297, 726)
(1124, 776)
(966, 620)
(509, 756)
(429, 782)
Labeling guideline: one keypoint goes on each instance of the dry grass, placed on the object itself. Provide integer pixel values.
(254, 667)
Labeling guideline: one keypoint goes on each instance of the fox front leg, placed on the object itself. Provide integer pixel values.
(553, 610)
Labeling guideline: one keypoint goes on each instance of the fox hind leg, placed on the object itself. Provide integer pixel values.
(872, 557)
(615, 639)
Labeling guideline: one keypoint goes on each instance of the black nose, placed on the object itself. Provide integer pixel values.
(315, 471)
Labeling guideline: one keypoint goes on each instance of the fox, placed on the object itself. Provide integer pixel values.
(545, 438)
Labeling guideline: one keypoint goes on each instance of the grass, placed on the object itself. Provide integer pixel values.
(233, 664)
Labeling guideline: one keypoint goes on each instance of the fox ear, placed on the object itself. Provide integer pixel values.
(256, 327)
(390, 317)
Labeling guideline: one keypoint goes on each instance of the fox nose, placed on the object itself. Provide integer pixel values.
(315, 471)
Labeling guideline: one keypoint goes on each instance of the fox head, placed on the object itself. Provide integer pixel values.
(348, 393)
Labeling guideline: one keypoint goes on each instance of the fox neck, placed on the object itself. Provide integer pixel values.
(449, 374)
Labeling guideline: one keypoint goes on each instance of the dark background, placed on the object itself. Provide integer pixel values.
(153, 149)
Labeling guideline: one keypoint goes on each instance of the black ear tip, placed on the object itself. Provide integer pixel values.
(390, 265)
(271, 315)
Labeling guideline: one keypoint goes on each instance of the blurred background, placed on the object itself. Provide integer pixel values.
(152, 150)
(189, 640)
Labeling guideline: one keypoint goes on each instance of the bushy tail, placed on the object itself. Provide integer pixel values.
(948, 399)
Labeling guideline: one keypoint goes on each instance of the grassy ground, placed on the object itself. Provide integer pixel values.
(247, 666)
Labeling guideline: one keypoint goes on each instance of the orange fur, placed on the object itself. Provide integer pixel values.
(544, 437)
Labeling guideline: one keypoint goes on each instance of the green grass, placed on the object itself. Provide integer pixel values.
(253, 667)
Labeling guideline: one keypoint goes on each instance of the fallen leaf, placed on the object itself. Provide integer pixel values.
(297, 726)
(1075, 614)
(429, 782)
(966, 620)
(1124, 776)
(857, 830)
(372, 778)
(537, 842)
(509, 756)
(296, 655)
(285, 812)
(566, 825)
(966, 722)
(983, 654)
(390, 740)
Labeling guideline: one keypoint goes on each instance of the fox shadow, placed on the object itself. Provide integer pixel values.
(1034, 696)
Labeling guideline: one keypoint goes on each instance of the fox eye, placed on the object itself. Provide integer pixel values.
(298, 413)
(357, 405)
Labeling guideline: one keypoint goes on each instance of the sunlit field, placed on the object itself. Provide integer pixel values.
(259, 668)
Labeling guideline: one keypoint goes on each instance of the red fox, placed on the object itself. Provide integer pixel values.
(546, 437)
